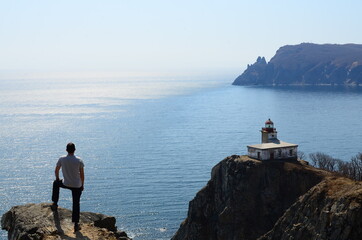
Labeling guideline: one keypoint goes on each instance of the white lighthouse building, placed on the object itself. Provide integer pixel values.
(271, 147)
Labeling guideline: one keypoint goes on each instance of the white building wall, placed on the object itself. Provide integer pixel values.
(253, 153)
(265, 154)
(279, 153)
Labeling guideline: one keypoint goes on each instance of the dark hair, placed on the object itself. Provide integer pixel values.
(70, 147)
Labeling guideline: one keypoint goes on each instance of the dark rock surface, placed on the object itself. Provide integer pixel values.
(332, 210)
(309, 64)
(246, 197)
(38, 221)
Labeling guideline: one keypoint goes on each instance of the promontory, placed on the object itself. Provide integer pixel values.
(248, 199)
(307, 64)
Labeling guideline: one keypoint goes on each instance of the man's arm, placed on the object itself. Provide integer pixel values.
(57, 168)
(81, 171)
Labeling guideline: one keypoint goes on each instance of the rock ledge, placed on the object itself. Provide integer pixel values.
(38, 221)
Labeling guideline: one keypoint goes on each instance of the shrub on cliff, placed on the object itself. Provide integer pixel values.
(351, 169)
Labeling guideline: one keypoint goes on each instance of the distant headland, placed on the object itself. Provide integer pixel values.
(307, 64)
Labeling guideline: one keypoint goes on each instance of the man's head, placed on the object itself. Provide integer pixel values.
(70, 148)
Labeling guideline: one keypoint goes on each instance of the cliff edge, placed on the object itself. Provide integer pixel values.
(38, 221)
(245, 198)
(309, 64)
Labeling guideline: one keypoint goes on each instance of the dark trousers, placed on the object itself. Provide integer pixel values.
(76, 193)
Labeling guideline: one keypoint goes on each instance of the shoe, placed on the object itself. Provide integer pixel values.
(77, 227)
(54, 207)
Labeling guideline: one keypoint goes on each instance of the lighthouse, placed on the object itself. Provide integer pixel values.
(271, 148)
(268, 133)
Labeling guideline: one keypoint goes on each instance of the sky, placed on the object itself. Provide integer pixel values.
(198, 37)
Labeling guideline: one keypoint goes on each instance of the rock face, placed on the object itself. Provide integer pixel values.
(307, 63)
(245, 198)
(331, 210)
(38, 221)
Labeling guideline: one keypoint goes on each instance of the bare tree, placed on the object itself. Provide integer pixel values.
(356, 165)
(301, 155)
(345, 169)
(324, 161)
(351, 169)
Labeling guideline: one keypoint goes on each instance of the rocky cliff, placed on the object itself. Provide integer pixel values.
(245, 198)
(332, 210)
(273, 200)
(306, 63)
(38, 221)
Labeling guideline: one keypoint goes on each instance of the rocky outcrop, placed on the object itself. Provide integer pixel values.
(309, 64)
(246, 197)
(332, 210)
(38, 221)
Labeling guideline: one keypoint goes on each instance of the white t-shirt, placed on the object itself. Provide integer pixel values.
(70, 165)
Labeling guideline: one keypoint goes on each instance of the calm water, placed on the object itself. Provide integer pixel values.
(149, 145)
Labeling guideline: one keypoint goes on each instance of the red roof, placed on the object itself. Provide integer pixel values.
(269, 121)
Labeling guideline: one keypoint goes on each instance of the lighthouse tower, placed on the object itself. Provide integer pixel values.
(269, 133)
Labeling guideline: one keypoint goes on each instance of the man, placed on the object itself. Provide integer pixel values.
(73, 174)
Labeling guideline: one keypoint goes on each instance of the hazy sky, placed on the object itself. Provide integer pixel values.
(165, 36)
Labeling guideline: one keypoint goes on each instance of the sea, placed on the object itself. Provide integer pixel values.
(149, 144)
